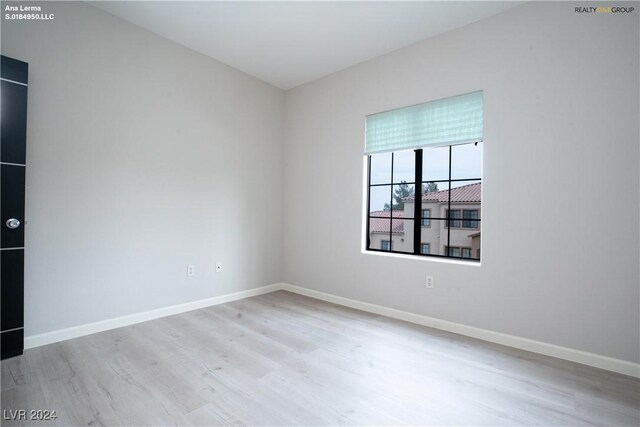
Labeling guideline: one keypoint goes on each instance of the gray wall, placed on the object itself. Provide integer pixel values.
(561, 142)
(143, 157)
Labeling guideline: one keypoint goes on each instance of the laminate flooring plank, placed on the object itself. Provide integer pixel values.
(555, 374)
(203, 334)
(234, 378)
(286, 336)
(207, 416)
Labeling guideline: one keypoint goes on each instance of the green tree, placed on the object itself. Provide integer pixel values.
(402, 192)
(429, 187)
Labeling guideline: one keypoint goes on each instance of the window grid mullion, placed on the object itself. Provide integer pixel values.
(368, 241)
(428, 181)
(391, 209)
(417, 205)
(449, 208)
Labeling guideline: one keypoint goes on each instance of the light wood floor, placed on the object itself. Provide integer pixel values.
(284, 359)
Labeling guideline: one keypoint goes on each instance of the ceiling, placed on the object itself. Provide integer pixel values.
(291, 43)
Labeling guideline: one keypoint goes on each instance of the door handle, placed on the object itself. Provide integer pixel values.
(12, 223)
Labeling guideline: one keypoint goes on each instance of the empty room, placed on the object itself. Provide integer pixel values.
(320, 213)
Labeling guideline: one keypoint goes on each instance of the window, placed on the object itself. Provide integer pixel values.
(455, 251)
(454, 218)
(469, 217)
(397, 203)
(424, 179)
(426, 214)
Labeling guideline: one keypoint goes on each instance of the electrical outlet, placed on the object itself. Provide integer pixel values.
(191, 270)
(218, 267)
(429, 282)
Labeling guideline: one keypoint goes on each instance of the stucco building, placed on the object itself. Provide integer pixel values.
(393, 231)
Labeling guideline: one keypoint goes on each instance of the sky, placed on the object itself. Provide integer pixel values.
(466, 163)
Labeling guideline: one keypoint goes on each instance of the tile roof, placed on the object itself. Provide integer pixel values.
(464, 193)
(381, 225)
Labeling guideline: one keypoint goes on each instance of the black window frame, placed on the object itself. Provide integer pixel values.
(417, 214)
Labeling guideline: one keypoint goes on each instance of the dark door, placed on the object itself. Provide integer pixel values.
(12, 175)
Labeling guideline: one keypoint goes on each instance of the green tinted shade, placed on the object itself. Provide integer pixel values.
(448, 121)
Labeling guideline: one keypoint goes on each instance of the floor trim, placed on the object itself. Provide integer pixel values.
(578, 356)
(118, 322)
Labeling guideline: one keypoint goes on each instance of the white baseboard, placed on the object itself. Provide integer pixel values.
(118, 322)
(578, 356)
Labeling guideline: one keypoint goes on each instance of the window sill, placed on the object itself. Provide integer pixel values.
(470, 263)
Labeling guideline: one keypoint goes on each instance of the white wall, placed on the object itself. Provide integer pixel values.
(142, 157)
(561, 137)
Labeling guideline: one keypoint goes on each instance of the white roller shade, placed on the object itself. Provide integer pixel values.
(455, 120)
